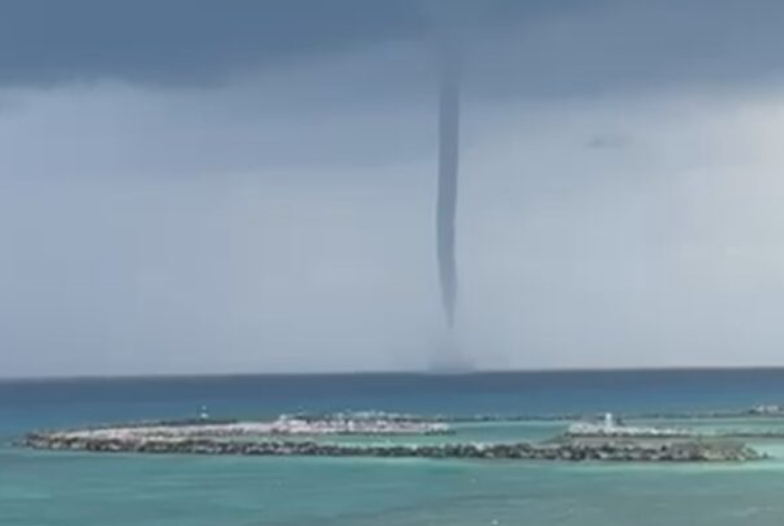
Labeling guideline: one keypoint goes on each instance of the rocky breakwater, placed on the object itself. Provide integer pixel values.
(697, 451)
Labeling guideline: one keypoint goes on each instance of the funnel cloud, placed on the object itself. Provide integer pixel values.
(448, 165)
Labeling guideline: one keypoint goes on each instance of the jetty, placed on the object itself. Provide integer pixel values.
(606, 439)
(284, 426)
(611, 451)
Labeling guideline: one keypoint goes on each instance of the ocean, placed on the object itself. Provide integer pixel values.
(79, 489)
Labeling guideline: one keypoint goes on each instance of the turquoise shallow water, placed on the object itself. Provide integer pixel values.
(82, 489)
(40, 489)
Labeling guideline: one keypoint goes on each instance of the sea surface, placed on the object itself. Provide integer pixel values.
(77, 489)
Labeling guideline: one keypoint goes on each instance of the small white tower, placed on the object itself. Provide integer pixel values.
(609, 422)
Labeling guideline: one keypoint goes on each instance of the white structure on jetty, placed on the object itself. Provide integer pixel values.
(609, 421)
(608, 426)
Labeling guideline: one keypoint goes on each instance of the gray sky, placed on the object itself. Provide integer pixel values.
(248, 186)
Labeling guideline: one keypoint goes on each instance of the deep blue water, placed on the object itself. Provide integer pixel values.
(27, 404)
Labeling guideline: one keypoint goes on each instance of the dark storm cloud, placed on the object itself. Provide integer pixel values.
(531, 47)
(621, 45)
(43, 41)
(202, 41)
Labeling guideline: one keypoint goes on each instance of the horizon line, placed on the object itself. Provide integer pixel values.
(398, 372)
